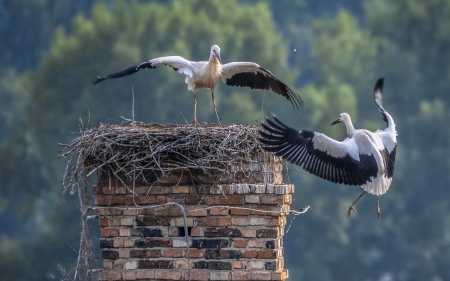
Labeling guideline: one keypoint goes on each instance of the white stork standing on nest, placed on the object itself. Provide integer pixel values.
(364, 158)
(205, 74)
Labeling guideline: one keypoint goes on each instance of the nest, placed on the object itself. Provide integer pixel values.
(135, 149)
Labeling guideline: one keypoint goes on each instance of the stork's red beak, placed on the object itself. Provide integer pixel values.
(336, 121)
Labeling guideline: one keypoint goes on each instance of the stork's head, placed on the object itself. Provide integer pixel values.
(343, 117)
(215, 53)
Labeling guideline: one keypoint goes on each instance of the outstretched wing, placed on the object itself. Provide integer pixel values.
(249, 74)
(176, 62)
(338, 162)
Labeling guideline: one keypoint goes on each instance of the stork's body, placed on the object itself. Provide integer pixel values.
(364, 158)
(205, 74)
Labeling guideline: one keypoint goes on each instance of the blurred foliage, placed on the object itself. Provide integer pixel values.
(332, 52)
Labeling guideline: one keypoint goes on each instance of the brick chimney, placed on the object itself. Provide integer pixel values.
(235, 222)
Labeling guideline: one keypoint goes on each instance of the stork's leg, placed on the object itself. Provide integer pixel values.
(215, 110)
(195, 109)
(378, 207)
(351, 209)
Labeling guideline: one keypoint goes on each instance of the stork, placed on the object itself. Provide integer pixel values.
(205, 74)
(364, 158)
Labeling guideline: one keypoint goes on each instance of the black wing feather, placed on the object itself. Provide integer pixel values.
(265, 82)
(298, 148)
(124, 72)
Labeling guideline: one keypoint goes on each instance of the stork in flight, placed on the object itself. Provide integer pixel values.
(363, 158)
(205, 74)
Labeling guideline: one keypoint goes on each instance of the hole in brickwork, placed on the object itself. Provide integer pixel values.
(182, 233)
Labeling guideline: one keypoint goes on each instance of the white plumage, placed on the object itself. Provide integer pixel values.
(205, 74)
(364, 158)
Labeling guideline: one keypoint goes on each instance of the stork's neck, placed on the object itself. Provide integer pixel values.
(350, 128)
(213, 60)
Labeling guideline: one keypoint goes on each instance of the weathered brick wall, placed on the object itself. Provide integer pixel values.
(235, 225)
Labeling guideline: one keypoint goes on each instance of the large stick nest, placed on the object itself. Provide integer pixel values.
(127, 150)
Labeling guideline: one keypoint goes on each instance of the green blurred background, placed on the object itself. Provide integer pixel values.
(330, 51)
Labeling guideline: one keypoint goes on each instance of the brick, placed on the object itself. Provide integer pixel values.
(124, 231)
(197, 213)
(256, 264)
(118, 242)
(255, 244)
(114, 275)
(258, 188)
(145, 200)
(270, 265)
(168, 275)
(222, 200)
(118, 200)
(278, 276)
(173, 253)
(155, 264)
(153, 242)
(141, 254)
(149, 211)
(161, 199)
(266, 233)
(103, 221)
(240, 212)
(215, 222)
(197, 232)
(281, 189)
(279, 221)
(97, 190)
(212, 265)
(219, 211)
(120, 190)
(267, 254)
(203, 276)
(261, 275)
(128, 221)
(220, 189)
(103, 200)
(183, 264)
(192, 199)
(239, 221)
(222, 232)
(179, 244)
(130, 265)
(210, 243)
(239, 264)
(124, 253)
(250, 254)
(195, 253)
(256, 221)
(270, 199)
(240, 188)
(145, 274)
(180, 189)
(152, 221)
(109, 232)
(105, 243)
(240, 243)
(146, 232)
(219, 275)
(212, 254)
(118, 265)
(130, 212)
(114, 221)
(110, 255)
(240, 275)
(107, 264)
(128, 242)
(180, 222)
(147, 190)
(174, 231)
(167, 211)
(262, 211)
(249, 233)
(180, 199)
(230, 254)
(270, 244)
(253, 199)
